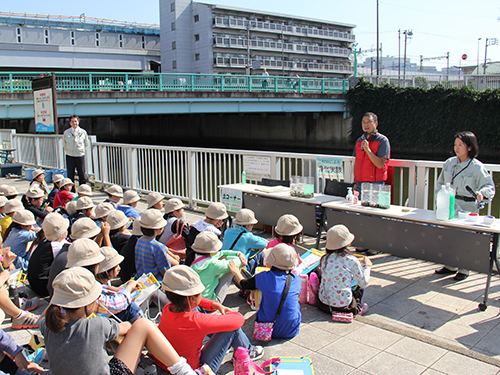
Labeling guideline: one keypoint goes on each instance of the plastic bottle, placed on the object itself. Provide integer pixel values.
(243, 178)
(304, 289)
(443, 204)
(350, 196)
(313, 288)
(451, 191)
(242, 365)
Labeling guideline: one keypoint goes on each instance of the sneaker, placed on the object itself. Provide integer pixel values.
(342, 317)
(256, 352)
(25, 320)
(26, 304)
(364, 309)
(444, 271)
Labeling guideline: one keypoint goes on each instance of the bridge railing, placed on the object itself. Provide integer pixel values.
(194, 174)
(70, 81)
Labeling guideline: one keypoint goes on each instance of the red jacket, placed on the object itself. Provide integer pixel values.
(365, 170)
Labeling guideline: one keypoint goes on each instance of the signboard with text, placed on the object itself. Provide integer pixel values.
(232, 199)
(331, 168)
(256, 167)
(44, 110)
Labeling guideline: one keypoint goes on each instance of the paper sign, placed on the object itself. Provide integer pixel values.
(257, 167)
(331, 168)
(232, 199)
(44, 110)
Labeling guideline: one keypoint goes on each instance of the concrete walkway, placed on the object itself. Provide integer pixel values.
(418, 323)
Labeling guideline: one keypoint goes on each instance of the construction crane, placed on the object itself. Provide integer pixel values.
(447, 57)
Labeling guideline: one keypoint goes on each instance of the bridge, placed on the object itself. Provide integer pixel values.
(118, 94)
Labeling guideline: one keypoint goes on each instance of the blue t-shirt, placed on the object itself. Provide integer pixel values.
(129, 212)
(17, 241)
(246, 242)
(272, 285)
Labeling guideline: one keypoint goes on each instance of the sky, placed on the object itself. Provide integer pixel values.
(439, 26)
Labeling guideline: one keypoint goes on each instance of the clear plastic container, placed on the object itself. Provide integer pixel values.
(366, 193)
(300, 186)
(293, 186)
(308, 187)
(384, 198)
(375, 195)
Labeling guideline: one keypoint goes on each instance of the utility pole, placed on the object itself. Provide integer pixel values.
(399, 55)
(477, 70)
(408, 33)
(489, 42)
(378, 45)
(421, 62)
(448, 66)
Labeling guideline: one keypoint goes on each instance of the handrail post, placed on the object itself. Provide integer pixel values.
(127, 88)
(191, 178)
(90, 82)
(192, 82)
(250, 83)
(222, 82)
(11, 83)
(323, 85)
(275, 84)
(160, 77)
(301, 90)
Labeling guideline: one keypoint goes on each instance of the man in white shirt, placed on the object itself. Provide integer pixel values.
(75, 142)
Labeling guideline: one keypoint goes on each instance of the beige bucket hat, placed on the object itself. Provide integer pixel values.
(117, 219)
(288, 225)
(13, 205)
(282, 256)
(136, 228)
(70, 207)
(152, 219)
(130, 196)
(338, 237)
(54, 226)
(75, 287)
(173, 204)
(216, 211)
(84, 203)
(84, 228)
(153, 198)
(3, 201)
(182, 280)
(245, 217)
(8, 190)
(24, 217)
(85, 190)
(103, 210)
(35, 192)
(66, 181)
(37, 172)
(207, 242)
(84, 252)
(111, 259)
(57, 178)
(115, 190)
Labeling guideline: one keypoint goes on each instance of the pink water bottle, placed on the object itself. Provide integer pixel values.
(242, 365)
(303, 290)
(313, 288)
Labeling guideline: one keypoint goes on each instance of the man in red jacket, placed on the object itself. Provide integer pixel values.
(372, 151)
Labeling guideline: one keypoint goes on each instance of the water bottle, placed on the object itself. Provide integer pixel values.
(242, 365)
(303, 290)
(451, 191)
(313, 288)
(243, 178)
(350, 196)
(443, 204)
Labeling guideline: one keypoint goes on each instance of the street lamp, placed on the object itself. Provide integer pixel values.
(477, 70)
(354, 55)
(408, 33)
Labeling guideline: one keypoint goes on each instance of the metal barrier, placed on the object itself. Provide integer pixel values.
(69, 81)
(193, 174)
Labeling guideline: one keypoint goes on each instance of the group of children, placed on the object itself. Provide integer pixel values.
(73, 250)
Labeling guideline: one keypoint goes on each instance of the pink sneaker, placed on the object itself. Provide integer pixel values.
(364, 309)
(342, 317)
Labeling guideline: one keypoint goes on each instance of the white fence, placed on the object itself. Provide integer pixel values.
(193, 174)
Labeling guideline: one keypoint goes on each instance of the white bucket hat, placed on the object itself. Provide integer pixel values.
(84, 203)
(182, 280)
(84, 252)
(136, 228)
(54, 226)
(288, 225)
(173, 204)
(152, 219)
(114, 190)
(338, 237)
(117, 219)
(8, 190)
(13, 205)
(3, 201)
(24, 217)
(74, 288)
(66, 181)
(37, 172)
(207, 242)
(245, 217)
(282, 256)
(57, 178)
(103, 209)
(84, 228)
(35, 192)
(70, 207)
(84, 189)
(130, 196)
(153, 198)
(111, 259)
(216, 211)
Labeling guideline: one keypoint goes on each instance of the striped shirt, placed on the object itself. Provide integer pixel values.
(151, 256)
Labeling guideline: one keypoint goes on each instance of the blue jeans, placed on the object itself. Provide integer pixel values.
(214, 351)
(131, 313)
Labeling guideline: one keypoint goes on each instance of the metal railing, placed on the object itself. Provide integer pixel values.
(69, 81)
(194, 174)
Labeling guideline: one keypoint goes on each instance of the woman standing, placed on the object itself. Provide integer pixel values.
(461, 171)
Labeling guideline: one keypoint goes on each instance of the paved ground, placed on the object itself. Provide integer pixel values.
(418, 323)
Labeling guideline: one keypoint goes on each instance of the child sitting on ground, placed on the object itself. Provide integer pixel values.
(115, 194)
(338, 270)
(64, 195)
(18, 235)
(130, 201)
(174, 214)
(57, 182)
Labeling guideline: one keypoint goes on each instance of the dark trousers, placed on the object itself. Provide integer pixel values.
(78, 163)
(354, 307)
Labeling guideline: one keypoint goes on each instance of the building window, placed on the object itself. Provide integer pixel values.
(172, 7)
(19, 35)
(120, 40)
(47, 38)
(174, 64)
(196, 37)
(174, 46)
(197, 57)
(172, 26)
(72, 38)
(196, 18)
(97, 39)
(143, 42)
